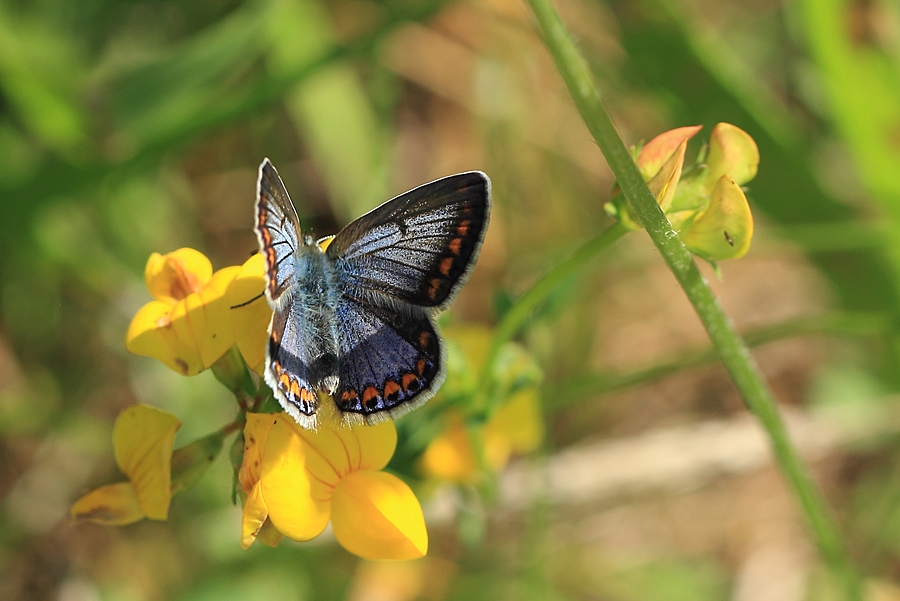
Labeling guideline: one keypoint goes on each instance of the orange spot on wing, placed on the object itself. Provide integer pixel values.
(285, 381)
(369, 393)
(424, 339)
(463, 228)
(454, 246)
(434, 286)
(406, 380)
(445, 265)
(349, 395)
(420, 366)
(390, 388)
(295, 388)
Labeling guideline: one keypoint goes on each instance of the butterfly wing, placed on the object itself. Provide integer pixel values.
(293, 369)
(391, 361)
(397, 265)
(277, 230)
(420, 246)
(300, 354)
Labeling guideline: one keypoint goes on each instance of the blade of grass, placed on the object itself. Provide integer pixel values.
(733, 351)
(591, 385)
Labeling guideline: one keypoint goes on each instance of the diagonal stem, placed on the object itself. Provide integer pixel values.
(731, 348)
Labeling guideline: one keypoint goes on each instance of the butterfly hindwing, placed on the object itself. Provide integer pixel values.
(277, 230)
(300, 359)
(420, 246)
(390, 360)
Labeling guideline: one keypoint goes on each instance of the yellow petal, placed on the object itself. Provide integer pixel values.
(375, 515)
(142, 441)
(660, 149)
(298, 501)
(732, 152)
(324, 242)
(376, 445)
(517, 427)
(256, 432)
(253, 517)
(725, 229)
(110, 505)
(171, 277)
(520, 421)
(151, 333)
(451, 455)
(250, 318)
(203, 321)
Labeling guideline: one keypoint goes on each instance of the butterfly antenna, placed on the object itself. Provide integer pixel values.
(254, 299)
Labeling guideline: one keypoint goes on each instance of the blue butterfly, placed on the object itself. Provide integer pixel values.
(357, 320)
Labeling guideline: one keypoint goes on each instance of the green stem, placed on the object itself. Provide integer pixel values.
(518, 315)
(591, 385)
(732, 350)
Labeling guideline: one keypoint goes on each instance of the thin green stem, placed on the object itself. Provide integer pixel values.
(733, 351)
(517, 316)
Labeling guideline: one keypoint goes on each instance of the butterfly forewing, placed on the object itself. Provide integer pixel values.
(277, 230)
(420, 246)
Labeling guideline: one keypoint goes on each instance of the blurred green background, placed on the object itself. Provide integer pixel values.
(135, 127)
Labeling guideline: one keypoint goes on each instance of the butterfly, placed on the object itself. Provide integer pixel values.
(357, 319)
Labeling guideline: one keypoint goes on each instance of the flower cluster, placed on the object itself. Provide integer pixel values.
(197, 315)
(705, 204)
(292, 481)
(295, 480)
(466, 452)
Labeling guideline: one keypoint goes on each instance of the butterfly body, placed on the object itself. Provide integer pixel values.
(355, 320)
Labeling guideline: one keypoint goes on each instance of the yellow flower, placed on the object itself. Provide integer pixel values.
(250, 311)
(515, 429)
(142, 442)
(188, 326)
(296, 480)
(707, 206)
